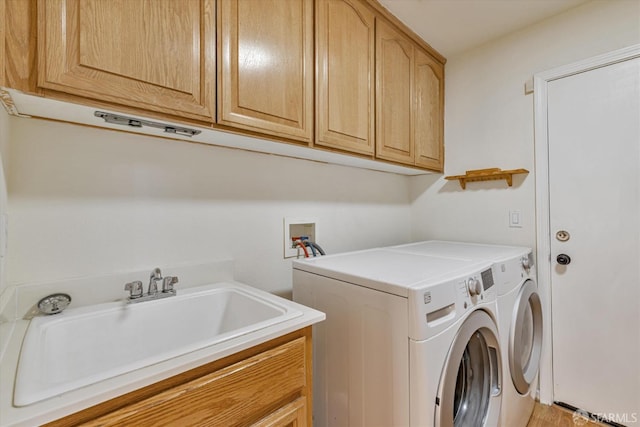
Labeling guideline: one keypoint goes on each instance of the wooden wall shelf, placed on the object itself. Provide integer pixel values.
(486, 175)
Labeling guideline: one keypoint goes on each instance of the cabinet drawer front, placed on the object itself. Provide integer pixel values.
(240, 394)
(293, 414)
(153, 54)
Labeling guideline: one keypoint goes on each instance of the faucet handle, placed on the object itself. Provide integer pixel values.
(168, 282)
(134, 288)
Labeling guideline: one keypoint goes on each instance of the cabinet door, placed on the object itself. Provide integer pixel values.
(345, 43)
(157, 55)
(233, 396)
(2, 42)
(265, 77)
(428, 113)
(394, 101)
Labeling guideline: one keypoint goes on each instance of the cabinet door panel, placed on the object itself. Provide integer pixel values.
(345, 40)
(233, 396)
(394, 106)
(153, 54)
(428, 113)
(266, 66)
(2, 42)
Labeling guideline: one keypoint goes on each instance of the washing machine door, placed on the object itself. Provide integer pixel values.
(525, 338)
(469, 394)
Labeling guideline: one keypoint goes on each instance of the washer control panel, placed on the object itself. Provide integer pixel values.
(474, 286)
(487, 279)
(436, 306)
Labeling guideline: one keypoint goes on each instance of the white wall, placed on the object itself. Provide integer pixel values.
(84, 202)
(87, 202)
(489, 121)
(4, 150)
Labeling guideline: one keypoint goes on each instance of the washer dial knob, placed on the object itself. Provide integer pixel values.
(474, 286)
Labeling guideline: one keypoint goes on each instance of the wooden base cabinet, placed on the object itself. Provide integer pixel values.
(157, 55)
(267, 386)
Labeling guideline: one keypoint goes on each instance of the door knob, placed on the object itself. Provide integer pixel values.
(563, 259)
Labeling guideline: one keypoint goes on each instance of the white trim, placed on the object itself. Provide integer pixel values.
(543, 234)
(26, 105)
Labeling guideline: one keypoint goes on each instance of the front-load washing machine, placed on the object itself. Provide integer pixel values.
(409, 339)
(519, 318)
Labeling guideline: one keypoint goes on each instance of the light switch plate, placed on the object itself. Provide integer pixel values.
(515, 219)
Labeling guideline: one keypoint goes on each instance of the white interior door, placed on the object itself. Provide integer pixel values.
(594, 196)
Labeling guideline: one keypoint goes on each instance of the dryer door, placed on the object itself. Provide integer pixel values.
(469, 394)
(525, 337)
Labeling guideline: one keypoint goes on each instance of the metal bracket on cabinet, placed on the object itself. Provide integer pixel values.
(118, 119)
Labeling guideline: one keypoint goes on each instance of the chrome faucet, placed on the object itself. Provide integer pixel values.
(156, 275)
(136, 292)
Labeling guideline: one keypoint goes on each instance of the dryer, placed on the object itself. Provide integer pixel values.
(520, 322)
(519, 318)
(409, 339)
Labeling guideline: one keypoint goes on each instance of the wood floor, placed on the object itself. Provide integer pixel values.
(556, 416)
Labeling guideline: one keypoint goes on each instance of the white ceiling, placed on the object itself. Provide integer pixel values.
(453, 26)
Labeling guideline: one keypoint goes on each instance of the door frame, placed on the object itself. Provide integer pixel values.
(543, 231)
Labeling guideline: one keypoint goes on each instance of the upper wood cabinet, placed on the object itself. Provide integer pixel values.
(394, 101)
(265, 70)
(2, 42)
(345, 87)
(343, 75)
(157, 55)
(428, 114)
(409, 102)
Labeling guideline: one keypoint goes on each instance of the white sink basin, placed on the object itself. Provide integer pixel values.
(84, 345)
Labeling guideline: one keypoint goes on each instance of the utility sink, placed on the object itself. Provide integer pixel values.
(85, 345)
